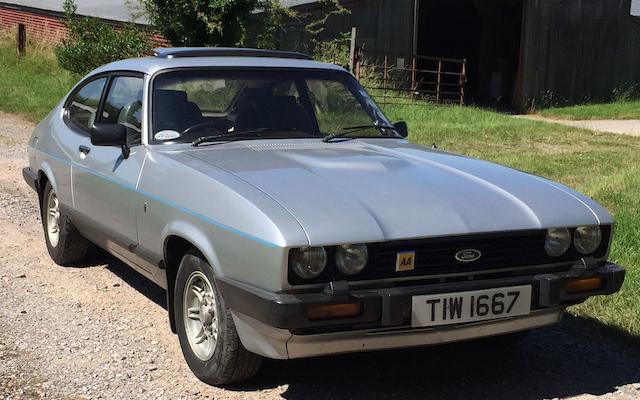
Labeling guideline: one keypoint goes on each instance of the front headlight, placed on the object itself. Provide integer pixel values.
(308, 262)
(587, 239)
(351, 258)
(557, 241)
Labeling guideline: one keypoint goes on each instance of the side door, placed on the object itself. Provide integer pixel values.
(80, 112)
(104, 181)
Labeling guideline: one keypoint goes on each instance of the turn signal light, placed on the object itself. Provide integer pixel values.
(326, 311)
(583, 285)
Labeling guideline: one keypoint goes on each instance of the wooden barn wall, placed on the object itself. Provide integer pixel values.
(383, 25)
(576, 51)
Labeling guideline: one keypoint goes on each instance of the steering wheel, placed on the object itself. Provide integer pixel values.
(199, 125)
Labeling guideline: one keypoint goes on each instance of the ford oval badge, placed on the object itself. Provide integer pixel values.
(468, 255)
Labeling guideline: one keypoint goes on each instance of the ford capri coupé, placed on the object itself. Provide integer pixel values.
(286, 216)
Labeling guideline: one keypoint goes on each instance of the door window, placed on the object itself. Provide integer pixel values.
(124, 106)
(83, 107)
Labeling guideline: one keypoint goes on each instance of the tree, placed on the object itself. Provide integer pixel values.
(226, 22)
(201, 22)
(92, 43)
(309, 28)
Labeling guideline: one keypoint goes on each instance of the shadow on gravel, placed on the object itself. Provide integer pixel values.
(578, 356)
(132, 278)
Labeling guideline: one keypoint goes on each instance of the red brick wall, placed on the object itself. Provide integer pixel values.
(48, 29)
(41, 28)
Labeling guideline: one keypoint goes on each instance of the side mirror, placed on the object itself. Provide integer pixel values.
(110, 135)
(402, 128)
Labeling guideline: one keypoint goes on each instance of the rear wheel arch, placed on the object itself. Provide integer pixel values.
(41, 182)
(45, 174)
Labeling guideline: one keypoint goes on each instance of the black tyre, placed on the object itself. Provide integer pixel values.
(206, 331)
(65, 244)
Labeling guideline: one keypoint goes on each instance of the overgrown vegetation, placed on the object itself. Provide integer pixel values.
(604, 166)
(31, 86)
(201, 22)
(258, 23)
(92, 42)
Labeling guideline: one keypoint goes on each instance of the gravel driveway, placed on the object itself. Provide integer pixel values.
(101, 331)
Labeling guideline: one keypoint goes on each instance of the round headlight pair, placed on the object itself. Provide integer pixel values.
(310, 262)
(586, 240)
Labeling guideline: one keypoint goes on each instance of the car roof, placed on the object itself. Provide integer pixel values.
(151, 65)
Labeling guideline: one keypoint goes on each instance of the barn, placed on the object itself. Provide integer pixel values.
(517, 53)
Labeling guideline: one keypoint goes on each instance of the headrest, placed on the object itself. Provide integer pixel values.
(170, 96)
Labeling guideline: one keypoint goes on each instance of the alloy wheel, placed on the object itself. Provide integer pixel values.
(200, 315)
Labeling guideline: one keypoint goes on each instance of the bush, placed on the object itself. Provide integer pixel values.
(201, 22)
(92, 43)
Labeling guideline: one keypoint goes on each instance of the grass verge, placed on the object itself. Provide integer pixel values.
(31, 86)
(603, 166)
(615, 110)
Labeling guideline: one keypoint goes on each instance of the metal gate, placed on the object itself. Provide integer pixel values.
(400, 79)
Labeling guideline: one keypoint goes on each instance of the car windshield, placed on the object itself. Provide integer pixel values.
(192, 105)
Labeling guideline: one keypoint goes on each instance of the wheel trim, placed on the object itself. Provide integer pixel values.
(53, 219)
(200, 315)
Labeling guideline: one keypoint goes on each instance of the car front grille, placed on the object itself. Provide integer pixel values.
(436, 256)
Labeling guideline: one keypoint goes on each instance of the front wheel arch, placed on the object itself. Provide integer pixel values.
(174, 249)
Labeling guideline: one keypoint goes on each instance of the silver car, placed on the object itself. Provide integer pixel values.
(287, 217)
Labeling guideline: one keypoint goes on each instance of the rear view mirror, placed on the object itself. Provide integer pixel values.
(401, 128)
(110, 135)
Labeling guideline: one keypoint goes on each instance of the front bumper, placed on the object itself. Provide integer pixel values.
(391, 307)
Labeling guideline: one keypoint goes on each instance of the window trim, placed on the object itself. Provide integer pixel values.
(110, 75)
(105, 95)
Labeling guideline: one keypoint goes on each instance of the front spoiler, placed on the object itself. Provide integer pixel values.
(391, 307)
(30, 177)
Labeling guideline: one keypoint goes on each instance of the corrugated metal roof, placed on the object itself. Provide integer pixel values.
(294, 3)
(116, 10)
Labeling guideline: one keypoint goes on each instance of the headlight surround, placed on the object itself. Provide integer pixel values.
(557, 241)
(587, 238)
(351, 258)
(308, 262)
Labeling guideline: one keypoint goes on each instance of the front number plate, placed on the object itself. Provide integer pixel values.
(477, 305)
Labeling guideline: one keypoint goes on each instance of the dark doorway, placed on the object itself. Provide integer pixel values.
(484, 32)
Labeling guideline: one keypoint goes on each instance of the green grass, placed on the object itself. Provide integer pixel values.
(34, 85)
(603, 166)
(615, 110)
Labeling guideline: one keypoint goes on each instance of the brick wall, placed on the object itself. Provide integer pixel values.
(44, 28)
(41, 28)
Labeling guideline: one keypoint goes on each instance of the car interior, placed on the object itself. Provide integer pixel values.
(251, 108)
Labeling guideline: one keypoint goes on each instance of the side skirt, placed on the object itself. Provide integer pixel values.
(116, 247)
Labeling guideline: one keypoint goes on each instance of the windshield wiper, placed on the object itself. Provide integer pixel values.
(353, 129)
(232, 136)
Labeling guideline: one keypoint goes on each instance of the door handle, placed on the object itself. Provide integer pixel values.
(84, 150)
